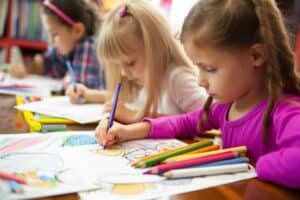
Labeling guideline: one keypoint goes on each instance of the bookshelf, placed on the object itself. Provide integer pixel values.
(9, 39)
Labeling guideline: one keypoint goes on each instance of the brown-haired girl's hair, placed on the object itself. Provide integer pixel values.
(231, 23)
(79, 11)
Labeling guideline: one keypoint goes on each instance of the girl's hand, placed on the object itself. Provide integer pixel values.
(123, 114)
(17, 70)
(112, 136)
(79, 94)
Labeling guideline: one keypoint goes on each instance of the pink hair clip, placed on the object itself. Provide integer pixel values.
(123, 11)
(58, 12)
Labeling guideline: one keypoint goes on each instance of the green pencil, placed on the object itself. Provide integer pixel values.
(188, 148)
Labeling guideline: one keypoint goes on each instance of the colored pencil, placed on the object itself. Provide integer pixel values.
(205, 149)
(73, 80)
(192, 162)
(167, 151)
(15, 187)
(113, 110)
(226, 162)
(11, 177)
(135, 163)
(185, 149)
(241, 150)
(212, 170)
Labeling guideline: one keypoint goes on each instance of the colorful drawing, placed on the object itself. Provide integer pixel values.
(9, 146)
(115, 150)
(26, 161)
(76, 140)
(131, 189)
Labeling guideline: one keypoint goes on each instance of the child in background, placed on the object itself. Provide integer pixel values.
(71, 26)
(246, 65)
(136, 37)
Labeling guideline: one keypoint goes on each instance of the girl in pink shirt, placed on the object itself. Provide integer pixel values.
(246, 65)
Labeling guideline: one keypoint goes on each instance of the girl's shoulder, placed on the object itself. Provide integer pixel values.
(287, 106)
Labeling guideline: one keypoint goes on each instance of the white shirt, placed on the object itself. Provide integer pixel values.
(181, 93)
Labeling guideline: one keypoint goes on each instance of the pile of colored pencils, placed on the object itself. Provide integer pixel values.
(196, 159)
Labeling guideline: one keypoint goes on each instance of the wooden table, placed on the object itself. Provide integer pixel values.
(12, 122)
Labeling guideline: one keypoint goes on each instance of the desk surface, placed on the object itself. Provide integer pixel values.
(12, 122)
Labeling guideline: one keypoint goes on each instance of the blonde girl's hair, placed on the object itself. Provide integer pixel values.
(137, 21)
(241, 24)
(130, 89)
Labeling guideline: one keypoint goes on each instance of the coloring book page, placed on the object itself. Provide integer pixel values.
(67, 162)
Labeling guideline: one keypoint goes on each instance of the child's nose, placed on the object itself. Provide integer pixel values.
(126, 73)
(203, 81)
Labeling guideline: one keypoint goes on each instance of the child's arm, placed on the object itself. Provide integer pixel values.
(179, 126)
(88, 95)
(282, 165)
(34, 66)
(120, 133)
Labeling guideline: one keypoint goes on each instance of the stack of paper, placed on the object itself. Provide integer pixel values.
(61, 107)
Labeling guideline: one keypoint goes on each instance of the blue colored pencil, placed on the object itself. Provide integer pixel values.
(226, 162)
(113, 111)
(73, 79)
(15, 187)
(72, 74)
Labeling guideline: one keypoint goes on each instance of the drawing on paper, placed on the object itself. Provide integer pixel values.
(13, 144)
(131, 189)
(77, 140)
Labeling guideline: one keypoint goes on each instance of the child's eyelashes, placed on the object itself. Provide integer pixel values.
(211, 70)
(129, 64)
(208, 69)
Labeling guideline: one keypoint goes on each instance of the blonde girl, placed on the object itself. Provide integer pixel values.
(136, 38)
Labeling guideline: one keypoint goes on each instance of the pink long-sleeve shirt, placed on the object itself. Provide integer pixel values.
(277, 161)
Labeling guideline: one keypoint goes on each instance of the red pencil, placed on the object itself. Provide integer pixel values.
(191, 162)
(11, 177)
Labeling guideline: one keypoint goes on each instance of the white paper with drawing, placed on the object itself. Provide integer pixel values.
(74, 162)
(61, 107)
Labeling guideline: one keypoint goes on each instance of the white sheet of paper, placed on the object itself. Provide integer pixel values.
(82, 167)
(33, 80)
(61, 107)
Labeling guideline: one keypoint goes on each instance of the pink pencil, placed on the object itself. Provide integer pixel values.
(12, 177)
(191, 162)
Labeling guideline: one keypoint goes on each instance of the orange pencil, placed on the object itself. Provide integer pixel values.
(205, 149)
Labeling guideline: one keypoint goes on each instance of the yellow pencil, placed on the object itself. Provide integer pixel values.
(241, 150)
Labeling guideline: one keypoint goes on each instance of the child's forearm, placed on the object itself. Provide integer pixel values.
(136, 131)
(96, 96)
(36, 65)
